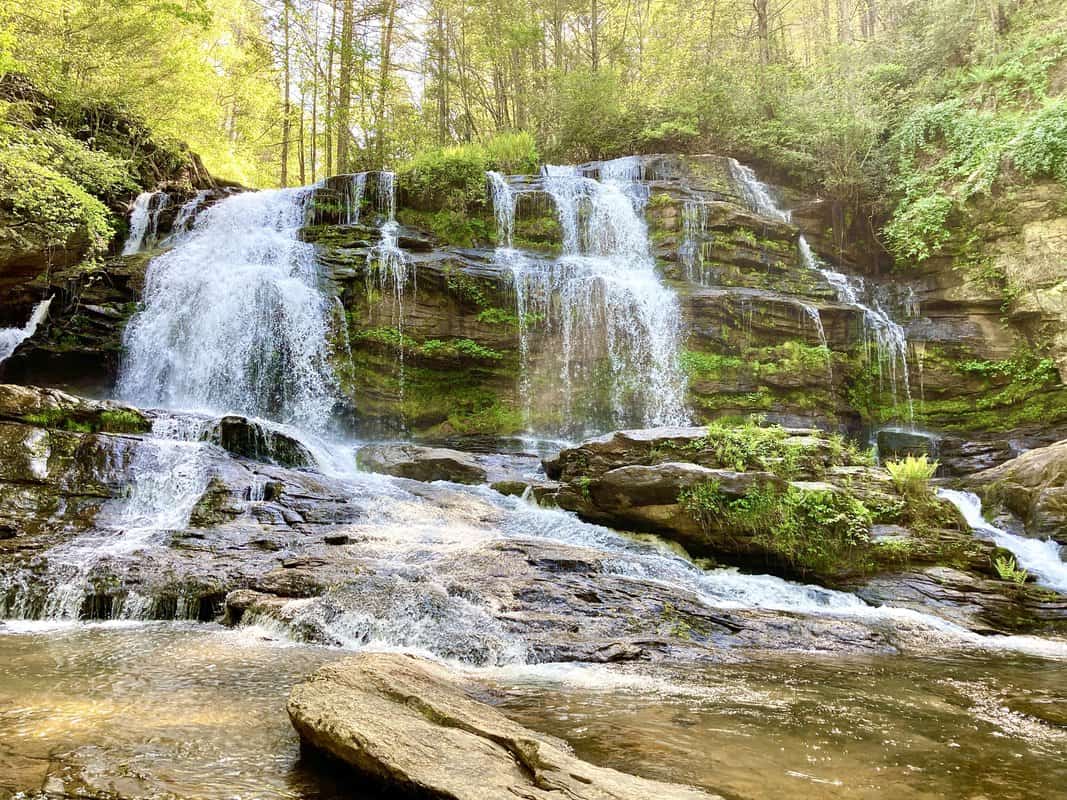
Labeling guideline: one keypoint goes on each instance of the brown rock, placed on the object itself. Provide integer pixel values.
(409, 725)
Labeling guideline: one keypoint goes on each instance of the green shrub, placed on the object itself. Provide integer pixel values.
(911, 475)
(512, 153)
(451, 178)
(1040, 149)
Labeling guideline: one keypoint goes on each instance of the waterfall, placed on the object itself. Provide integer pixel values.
(891, 344)
(1042, 558)
(694, 232)
(756, 193)
(234, 317)
(11, 338)
(603, 294)
(144, 221)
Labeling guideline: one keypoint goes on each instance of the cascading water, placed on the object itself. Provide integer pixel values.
(890, 341)
(186, 214)
(234, 318)
(602, 294)
(354, 198)
(144, 221)
(1042, 558)
(11, 338)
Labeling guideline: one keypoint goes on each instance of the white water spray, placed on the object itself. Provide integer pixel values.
(603, 294)
(235, 319)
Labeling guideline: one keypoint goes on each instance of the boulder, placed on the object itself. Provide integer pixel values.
(896, 444)
(259, 442)
(1033, 486)
(421, 463)
(409, 725)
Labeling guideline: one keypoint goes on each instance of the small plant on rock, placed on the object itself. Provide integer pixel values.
(911, 475)
(1008, 570)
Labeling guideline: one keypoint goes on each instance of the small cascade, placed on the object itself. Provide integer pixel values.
(186, 216)
(602, 295)
(234, 319)
(890, 341)
(1041, 558)
(389, 262)
(144, 221)
(691, 251)
(354, 198)
(504, 199)
(756, 193)
(166, 479)
(11, 338)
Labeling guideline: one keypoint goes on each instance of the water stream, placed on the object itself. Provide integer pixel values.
(1042, 558)
(11, 338)
(236, 318)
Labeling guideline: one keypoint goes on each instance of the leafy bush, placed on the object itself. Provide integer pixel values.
(450, 178)
(911, 475)
(1040, 149)
(512, 153)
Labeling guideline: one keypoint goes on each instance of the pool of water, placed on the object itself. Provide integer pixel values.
(196, 711)
(888, 728)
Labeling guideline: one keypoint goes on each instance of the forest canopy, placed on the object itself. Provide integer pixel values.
(901, 109)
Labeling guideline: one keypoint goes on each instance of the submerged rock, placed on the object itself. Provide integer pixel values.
(421, 463)
(409, 725)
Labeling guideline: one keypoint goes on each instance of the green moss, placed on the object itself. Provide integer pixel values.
(458, 348)
(499, 316)
(812, 532)
(112, 421)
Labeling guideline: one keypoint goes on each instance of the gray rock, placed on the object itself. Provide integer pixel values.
(259, 442)
(421, 463)
(896, 444)
(409, 725)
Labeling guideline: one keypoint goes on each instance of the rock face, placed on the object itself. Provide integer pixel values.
(421, 463)
(1032, 486)
(407, 724)
(51, 408)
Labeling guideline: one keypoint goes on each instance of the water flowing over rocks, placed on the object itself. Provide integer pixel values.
(1032, 486)
(408, 724)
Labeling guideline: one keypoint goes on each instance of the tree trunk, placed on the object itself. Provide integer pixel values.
(328, 143)
(763, 30)
(286, 108)
(344, 94)
(384, 56)
(594, 34)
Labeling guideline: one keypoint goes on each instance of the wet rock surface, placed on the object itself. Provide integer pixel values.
(421, 463)
(408, 723)
(1032, 486)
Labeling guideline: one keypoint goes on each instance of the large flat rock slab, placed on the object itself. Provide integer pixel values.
(408, 724)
